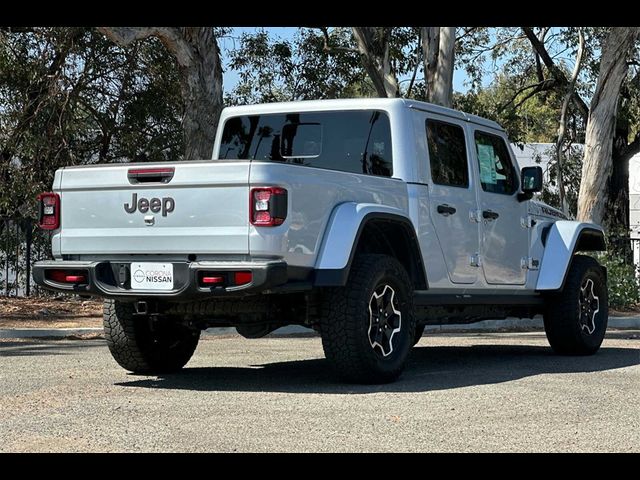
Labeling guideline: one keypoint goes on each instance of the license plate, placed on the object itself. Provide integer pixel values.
(152, 276)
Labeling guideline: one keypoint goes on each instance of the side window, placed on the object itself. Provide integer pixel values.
(497, 174)
(447, 154)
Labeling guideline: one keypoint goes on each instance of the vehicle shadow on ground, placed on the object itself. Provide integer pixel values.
(44, 346)
(429, 368)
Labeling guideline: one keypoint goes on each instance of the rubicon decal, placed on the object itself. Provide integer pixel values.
(155, 205)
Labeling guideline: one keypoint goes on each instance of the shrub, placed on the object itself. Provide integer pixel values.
(623, 282)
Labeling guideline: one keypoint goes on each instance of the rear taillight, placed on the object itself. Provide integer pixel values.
(67, 276)
(49, 207)
(223, 279)
(268, 206)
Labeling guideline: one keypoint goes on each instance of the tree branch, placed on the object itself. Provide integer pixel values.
(539, 72)
(171, 37)
(17, 29)
(537, 87)
(556, 73)
(562, 128)
(633, 148)
(415, 70)
(465, 33)
(332, 48)
(373, 45)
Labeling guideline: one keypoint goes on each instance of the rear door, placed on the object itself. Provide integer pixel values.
(452, 197)
(504, 240)
(201, 207)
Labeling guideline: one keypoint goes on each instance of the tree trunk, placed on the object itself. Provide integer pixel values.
(443, 84)
(430, 52)
(198, 57)
(597, 164)
(438, 46)
(373, 45)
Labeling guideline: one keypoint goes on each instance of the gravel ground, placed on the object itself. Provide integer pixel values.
(460, 392)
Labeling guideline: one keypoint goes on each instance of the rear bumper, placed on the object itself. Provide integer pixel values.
(111, 279)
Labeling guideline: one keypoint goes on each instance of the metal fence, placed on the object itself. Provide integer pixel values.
(635, 255)
(21, 244)
(624, 246)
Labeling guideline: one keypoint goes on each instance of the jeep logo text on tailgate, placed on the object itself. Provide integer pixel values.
(143, 205)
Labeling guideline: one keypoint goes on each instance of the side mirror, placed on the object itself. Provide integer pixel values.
(531, 178)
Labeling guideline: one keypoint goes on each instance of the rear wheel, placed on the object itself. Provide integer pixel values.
(575, 319)
(368, 326)
(142, 346)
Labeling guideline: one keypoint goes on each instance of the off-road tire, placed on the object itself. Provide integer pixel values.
(346, 321)
(566, 329)
(139, 348)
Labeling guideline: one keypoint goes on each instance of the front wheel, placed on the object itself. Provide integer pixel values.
(368, 326)
(575, 320)
(140, 346)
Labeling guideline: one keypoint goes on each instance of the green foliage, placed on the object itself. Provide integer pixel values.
(69, 96)
(312, 66)
(571, 173)
(623, 282)
(622, 274)
(272, 69)
(526, 120)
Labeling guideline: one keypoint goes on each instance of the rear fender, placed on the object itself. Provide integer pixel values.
(342, 236)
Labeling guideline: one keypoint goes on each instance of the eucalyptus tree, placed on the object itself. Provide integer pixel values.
(617, 51)
(196, 52)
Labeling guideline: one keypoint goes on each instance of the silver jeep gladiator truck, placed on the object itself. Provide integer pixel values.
(363, 219)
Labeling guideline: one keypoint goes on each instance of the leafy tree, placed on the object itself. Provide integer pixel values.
(526, 119)
(196, 52)
(68, 96)
(273, 69)
(617, 50)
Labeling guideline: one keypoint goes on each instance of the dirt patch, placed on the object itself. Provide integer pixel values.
(50, 312)
(627, 312)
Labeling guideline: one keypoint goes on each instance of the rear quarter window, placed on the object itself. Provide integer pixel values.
(347, 141)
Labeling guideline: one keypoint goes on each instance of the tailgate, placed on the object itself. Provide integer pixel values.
(203, 208)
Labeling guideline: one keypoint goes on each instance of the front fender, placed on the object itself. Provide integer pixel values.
(342, 233)
(564, 239)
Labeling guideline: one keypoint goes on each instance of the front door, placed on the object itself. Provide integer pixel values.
(504, 239)
(451, 198)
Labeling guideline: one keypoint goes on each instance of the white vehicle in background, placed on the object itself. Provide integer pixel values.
(363, 219)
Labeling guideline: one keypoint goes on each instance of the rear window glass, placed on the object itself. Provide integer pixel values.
(348, 141)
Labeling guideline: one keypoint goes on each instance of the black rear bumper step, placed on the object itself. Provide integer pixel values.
(106, 279)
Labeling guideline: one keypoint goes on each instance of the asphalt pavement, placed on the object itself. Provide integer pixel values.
(460, 392)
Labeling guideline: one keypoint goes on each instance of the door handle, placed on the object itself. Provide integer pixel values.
(490, 215)
(446, 210)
